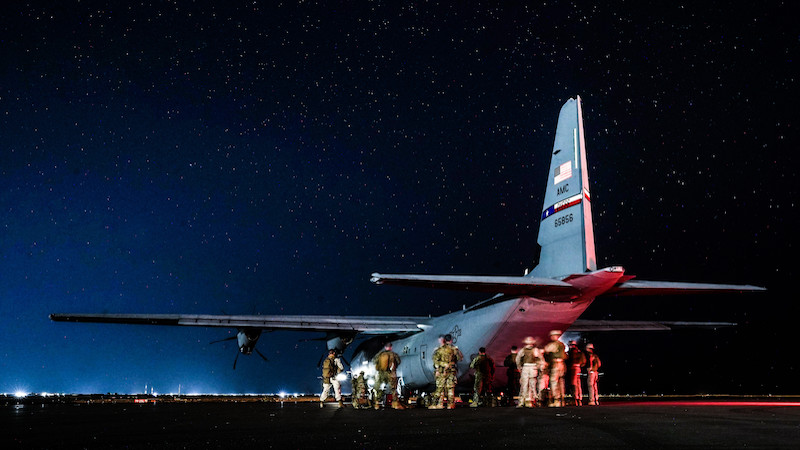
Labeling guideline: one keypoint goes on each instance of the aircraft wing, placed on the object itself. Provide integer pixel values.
(360, 324)
(641, 287)
(537, 287)
(639, 325)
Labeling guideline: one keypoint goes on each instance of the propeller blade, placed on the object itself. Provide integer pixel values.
(261, 355)
(223, 340)
(235, 359)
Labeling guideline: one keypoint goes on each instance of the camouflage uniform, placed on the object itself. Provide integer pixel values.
(575, 360)
(445, 359)
(529, 359)
(439, 381)
(484, 375)
(331, 367)
(592, 366)
(512, 373)
(360, 397)
(386, 363)
(554, 354)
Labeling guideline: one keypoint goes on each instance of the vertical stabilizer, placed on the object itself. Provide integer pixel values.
(565, 231)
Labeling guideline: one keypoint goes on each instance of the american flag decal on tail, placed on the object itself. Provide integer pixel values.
(562, 172)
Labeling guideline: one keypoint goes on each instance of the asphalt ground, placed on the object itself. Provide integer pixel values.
(236, 425)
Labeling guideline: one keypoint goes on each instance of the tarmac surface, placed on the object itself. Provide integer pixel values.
(253, 424)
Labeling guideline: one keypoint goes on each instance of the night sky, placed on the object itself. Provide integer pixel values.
(265, 158)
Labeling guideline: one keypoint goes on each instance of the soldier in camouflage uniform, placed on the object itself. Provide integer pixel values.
(360, 397)
(575, 360)
(592, 367)
(437, 393)
(331, 367)
(554, 354)
(386, 363)
(528, 360)
(484, 375)
(513, 374)
(445, 360)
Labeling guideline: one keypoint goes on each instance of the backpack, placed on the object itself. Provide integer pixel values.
(329, 368)
(449, 358)
(382, 363)
(486, 365)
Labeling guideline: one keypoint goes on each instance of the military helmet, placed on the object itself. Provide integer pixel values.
(555, 333)
(589, 346)
(529, 340)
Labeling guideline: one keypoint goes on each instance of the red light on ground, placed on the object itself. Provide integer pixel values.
(703, 403)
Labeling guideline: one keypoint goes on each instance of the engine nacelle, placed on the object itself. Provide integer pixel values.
(247, 339)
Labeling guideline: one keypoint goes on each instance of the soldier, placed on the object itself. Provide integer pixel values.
(484, 375)
(528, 359)
(544, 380)
(575, 360)
(360, 398)
(331, 367)
(512, 373)
(554, 355)
(386, 363)
(592, 366)
(439, 380)
(445, 361)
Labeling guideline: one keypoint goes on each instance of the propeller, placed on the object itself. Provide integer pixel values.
(261, 355)
(223, 340)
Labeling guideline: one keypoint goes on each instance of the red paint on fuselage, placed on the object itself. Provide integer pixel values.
(528, 316)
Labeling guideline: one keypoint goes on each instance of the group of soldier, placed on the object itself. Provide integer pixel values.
(537, 373)
(385, 362)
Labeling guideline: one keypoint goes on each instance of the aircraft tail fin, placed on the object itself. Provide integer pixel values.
(566, 234)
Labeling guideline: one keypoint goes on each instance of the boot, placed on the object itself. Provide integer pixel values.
(397, 405)
(341, 404)
(436, 406)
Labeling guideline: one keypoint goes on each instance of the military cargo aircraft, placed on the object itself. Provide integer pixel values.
(552, 296)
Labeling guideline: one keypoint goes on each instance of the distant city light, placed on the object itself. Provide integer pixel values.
(20, 394)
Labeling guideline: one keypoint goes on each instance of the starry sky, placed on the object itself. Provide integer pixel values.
(265, 158)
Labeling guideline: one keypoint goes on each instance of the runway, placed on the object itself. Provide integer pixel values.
(616, 424)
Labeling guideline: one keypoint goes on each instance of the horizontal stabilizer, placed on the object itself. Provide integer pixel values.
(639, 325)
(641, 287)
(537, 287)
(361, 324)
